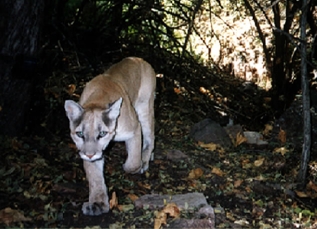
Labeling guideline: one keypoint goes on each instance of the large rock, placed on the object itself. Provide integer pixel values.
(204, 216)
(209, 131)
(194, 200)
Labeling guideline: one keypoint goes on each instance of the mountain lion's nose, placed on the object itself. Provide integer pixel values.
(90, 155)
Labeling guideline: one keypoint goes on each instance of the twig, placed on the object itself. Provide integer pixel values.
(273, 4)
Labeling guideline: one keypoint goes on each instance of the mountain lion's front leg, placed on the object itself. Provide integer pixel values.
(98, 196)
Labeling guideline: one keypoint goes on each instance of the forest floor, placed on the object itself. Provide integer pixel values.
(43, 183)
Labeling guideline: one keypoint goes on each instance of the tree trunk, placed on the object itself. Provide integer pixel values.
(281, 85)
(306, 101)
(19, 45)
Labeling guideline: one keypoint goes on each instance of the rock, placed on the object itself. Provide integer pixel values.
(209, 131)
(254, 138)
(194, 200)
(175, 155)
(192, 223)
(233, 131)
(204, 216)
(291, 121)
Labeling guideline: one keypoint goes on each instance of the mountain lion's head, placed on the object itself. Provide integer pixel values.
(92, 128)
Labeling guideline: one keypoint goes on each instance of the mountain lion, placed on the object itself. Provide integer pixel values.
(117, 105)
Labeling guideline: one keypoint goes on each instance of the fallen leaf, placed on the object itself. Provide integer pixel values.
(268, 128)
(71, 89)
(240, 138)
(311, 185)
(8, 216)
(146, 186)
(281, 150)
(172, 209)
(160, 218)
(125, 207)
(301, 194)
(195, 173)
(114, 200)
(282, 136)
(133, 197)
(209, 146)
(237, 183)
(177, 90)
(157, 223)
(217, 171)
(259, 162)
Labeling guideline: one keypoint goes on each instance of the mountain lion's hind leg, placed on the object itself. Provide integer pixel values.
(146, 118)
(133, 164)
(98, 196)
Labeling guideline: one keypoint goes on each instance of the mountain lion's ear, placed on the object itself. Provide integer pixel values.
(114, 109)
(73, 110)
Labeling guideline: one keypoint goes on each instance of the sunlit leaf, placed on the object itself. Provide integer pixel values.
(281, 150)
(209, 146)
(259, 162)
(160, 218)
(172, 209)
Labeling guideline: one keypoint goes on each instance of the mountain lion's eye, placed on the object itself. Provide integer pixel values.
(80, 134)
(102, 134)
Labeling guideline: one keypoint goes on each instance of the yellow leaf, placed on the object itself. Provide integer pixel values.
(259, 162)
(160, 219)
(114, 200)
(195, 173)
(268, 128)
(172, 209)
(281, 150)
(240, 139)
(217, 171)
(133, 197)
(209, 146)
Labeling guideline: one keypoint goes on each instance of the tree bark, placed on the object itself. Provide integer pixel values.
(280, 82)
(306, 100)
(19, 43)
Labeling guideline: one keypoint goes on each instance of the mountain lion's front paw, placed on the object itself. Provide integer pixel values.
(95, 208)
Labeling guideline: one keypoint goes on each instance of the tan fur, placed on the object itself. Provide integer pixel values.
(120, 103)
